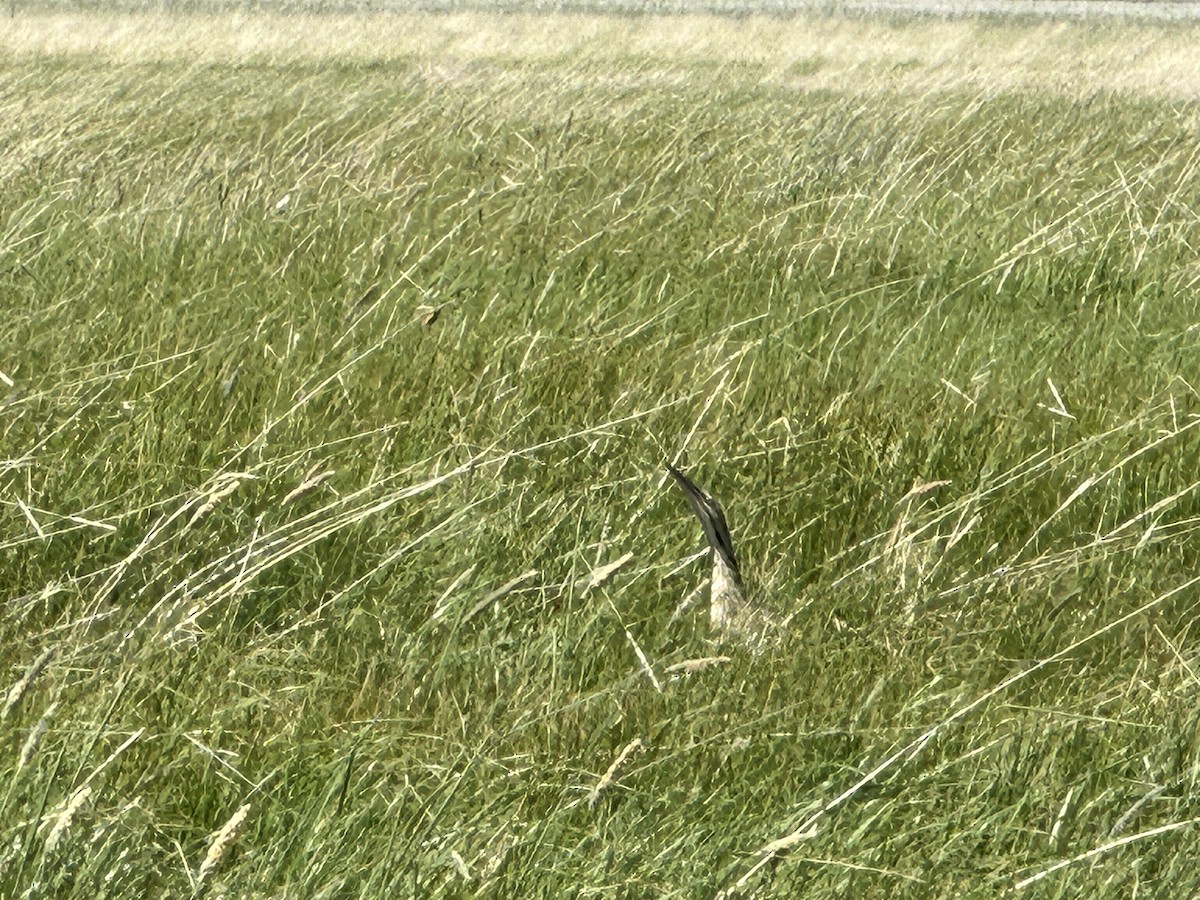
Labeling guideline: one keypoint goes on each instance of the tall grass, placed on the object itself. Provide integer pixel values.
(339, 556)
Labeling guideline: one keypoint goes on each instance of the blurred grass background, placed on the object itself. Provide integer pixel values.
(338, 373)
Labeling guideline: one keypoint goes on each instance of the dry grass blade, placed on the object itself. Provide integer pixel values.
(445, 601)
(1105, 848)
(643, 661)
(28, 514)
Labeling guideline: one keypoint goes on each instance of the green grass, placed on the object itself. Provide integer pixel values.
(215, 281)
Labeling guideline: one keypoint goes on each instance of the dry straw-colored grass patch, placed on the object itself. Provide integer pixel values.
(809, 52)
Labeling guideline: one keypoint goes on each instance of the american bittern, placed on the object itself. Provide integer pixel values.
(727, 599)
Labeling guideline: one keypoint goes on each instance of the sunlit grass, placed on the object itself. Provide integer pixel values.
(339, 555)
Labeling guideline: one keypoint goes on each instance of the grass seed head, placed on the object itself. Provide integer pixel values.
(17, 692)
(222, 844)
(66, 817)
(614, 770)
(30, 747)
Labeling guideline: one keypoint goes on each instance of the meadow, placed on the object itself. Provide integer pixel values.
(340, 360)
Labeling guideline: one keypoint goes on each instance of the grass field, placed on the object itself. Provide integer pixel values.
(340, 360)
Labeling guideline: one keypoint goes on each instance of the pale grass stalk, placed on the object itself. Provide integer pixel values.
(1063, 809)
(957, 390)
(1104, 848)
(1083, 487)
(187, 503)
(64, 426)
(1103, 476)
(922, 487)
(1037, 464)
(689, 599)
(218, 757)
(91, 523)
(1059, 408)
(124, 745)
(1042, 463)
(720, 391)
(645, 663)
(443, 602)
(28, 514)
(148, 539)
